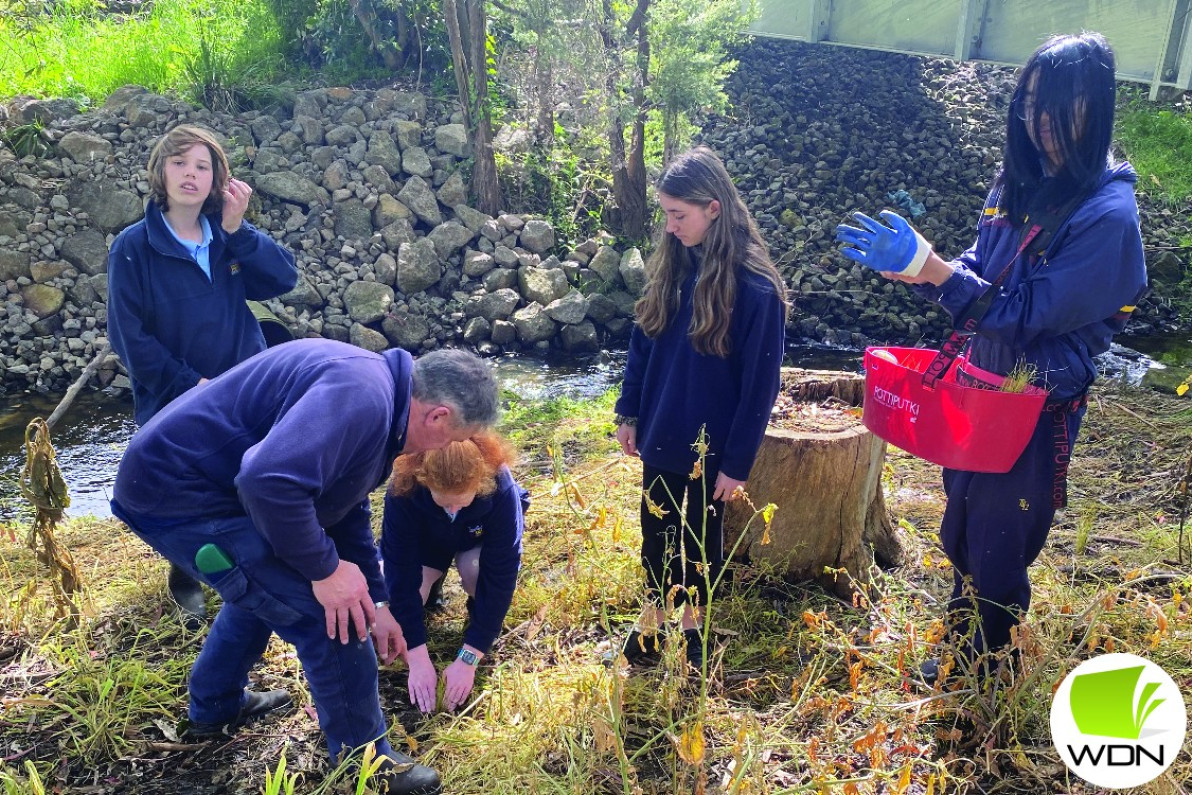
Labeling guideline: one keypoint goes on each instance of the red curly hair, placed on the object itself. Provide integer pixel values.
(470, 465)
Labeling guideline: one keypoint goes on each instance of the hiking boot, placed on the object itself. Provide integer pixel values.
(257, 705)
(187, 592)
(404, 776)
(693, 639)
(639, 649)
(434, 600)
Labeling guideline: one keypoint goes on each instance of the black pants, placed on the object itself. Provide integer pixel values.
(677, 561)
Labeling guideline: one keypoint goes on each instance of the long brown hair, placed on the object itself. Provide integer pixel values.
(732, 242)
(470, 465)
(175, 142)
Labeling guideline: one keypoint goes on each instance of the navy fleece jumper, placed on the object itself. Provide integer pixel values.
(416, 530)
(296, 438)
(169, 323)
(672, 390)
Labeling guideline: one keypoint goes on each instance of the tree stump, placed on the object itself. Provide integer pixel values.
(822, 468)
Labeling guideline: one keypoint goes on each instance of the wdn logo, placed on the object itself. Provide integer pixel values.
(1118, 721)
(896, 402)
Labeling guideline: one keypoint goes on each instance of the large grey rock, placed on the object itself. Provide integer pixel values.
(410, 103)
(362, 336)
(311, 103)
(505, 257)
(42, 272)
(397, 232)
(110, 207)
(504, 332)
(378, 177)
(497, 305)
(386, 268)
(542, 284)
(42, 111)
(453, 140)
(533, 324)
(477, 263)
(416, 161)
(607, 264)
(471, 218)
(43, 300)
(388, 210)
(382, 151)
(342, 135)
(538, 236)
(418, 266)
(84, 147)
(450, 237)
(454, 192)
(87, 250)
(419, 197)
(580, 338)
(499, 279)
(477, 330)
(407, 329)
(335, 176)
(570, 309)
(409, 133)
(601, 308)
(367, 302)
(291, 187)
(118, 100)
(633, 272)
(353, 221)
(303, 294)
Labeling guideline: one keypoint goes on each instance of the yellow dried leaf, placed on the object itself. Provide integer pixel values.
(697, 471)
(904, 781)
(617, 530)
(579, 498)
(654, 508)
(691, 744)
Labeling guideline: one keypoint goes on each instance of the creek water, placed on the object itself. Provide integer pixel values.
(93, 434)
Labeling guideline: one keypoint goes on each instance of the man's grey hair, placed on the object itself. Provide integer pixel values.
(453, 377)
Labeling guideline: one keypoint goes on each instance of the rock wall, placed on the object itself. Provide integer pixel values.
(365, 187)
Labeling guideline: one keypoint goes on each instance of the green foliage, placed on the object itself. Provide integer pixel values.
(1158, 143)
(567, 191)
(26, 139)
(231, 79)
(334, 41)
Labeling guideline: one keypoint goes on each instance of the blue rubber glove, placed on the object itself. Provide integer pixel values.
(897, 248)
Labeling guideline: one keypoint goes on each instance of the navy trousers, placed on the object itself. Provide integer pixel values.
(994, 527)
(262, 595)
(672, 558)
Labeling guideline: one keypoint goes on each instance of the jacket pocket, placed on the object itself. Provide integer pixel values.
(235, 586)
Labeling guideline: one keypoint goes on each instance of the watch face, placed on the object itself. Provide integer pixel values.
(468, 657)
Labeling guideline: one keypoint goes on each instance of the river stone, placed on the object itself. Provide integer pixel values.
(570, 309)
(362, 336)
(382, 151)
(42, 272)
(454, 193)
(416, 161)
(418, 196)
(43, 300)
(108, 206)
(542, 284)
(397, 232)
(633, 271)
(505, 257)
(311, 130)
(82, 292)
(477, 330)
(601, 308)
(538, 236)
(473, 219)
(386, 268)
(367, 302)
(84, 147)
(87, 250)
(42, 111)
(607, 264)
(303, 294)
(504, 332)
(13, 264)
(290, 187)
(343, 135)
(499, 279)
(453, 139)
(418, 266)
(118, 100)
(580, 338)
(533, 324)
(497, 305)
(409, 133)
(450, 237)
(410, 103)
(353, 221)
(477, 263)
(406, 330)
(335, 176)
(388, 210)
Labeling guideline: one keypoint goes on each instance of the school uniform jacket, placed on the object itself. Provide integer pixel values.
(169, 323)
(414, 525)
(1059, 311)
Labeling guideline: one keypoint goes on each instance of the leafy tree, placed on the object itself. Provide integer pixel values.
(467, 30)
(624, 32)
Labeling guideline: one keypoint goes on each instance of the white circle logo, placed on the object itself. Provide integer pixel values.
(1118, 721)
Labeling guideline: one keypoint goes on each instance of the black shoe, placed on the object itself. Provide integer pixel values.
(434, 600)
(188, 594)
(256, 705)
(640, 649)
(404, 776)
(693, 639)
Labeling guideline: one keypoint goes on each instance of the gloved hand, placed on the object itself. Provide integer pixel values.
(897, 248)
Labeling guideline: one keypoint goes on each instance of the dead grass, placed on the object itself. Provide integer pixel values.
(807, 693)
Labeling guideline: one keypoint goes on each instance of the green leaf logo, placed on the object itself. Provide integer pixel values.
(1103, 703)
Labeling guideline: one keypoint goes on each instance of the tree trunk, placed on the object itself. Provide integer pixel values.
(459, 60)
(367, 17)
(485, 186)
(827, 487)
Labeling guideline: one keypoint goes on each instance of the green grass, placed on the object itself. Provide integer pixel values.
(180, 45)
(1158, 143)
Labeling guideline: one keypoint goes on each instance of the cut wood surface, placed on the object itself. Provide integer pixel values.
(822, 469)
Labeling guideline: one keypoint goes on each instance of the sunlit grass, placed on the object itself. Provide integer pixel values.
(1158, 143)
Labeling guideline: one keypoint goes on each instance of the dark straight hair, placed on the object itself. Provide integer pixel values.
(1074, 84)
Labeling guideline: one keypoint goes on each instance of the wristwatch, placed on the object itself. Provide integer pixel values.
(468, 657)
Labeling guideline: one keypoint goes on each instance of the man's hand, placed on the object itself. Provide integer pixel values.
(423, 681)
(235, 202)
(727, 489)
(627, 437)
(345, 600)
(459, 678)
(387, 636)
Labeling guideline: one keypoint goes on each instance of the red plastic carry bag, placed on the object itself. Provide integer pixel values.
(965, 422)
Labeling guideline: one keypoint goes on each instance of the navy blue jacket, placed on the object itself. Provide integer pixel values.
(169, 323)
(673, 390)
(414, 525)
(296, 438)
(1059, 311)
